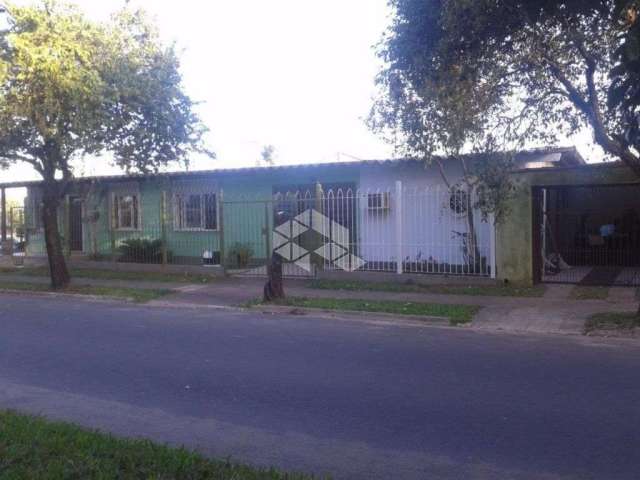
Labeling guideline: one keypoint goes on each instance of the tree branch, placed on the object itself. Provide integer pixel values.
(574, 95)
(22, 158)
(445, 179)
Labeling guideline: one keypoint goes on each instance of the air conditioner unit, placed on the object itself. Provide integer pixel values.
(378, 201)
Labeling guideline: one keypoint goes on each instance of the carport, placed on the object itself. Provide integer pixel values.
(588, 234)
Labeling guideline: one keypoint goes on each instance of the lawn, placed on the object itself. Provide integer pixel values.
(139, 295)
(476, 290)
(612, 321)
(589, 293)
(35, 448)
(457, 314)
(95, 273)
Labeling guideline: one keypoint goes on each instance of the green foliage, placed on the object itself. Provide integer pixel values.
(72, 87)
(239, 255)
(457, 314)
(493, 75)
(474, 290)
(139, 295)
(624, 93)
(32, 447)
(141, 250)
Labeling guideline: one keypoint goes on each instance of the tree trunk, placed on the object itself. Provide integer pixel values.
(473, 251)
(274, 288)
(60, 278)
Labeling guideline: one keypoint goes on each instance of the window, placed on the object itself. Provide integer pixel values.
(126, 213)
(378, 201)
(458, 201)
(196, 211)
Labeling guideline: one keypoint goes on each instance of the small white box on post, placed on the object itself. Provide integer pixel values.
(398, 217)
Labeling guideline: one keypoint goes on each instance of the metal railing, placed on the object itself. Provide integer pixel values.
(430, 230)
(423, 230)
(590, 235)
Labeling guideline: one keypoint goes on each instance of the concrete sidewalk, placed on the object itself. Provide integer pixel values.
(554, 313)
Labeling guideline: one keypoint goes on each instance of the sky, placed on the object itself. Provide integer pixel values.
(295, 74)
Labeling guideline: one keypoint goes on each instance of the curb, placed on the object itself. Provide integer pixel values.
(78, 296)
(341, 315)
(165, 304)
(356, 315)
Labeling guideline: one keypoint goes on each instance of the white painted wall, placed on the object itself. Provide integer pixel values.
(428, 222)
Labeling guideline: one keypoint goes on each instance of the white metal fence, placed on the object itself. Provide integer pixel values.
(431, 230)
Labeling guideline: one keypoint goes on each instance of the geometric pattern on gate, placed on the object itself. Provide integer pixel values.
(334, 238)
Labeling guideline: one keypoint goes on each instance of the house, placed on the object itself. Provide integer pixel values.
(377, 215)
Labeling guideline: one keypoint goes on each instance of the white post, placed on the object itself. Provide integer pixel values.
(398, 205)
(492, 245)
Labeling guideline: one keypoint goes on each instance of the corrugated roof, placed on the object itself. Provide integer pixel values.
(574, 158)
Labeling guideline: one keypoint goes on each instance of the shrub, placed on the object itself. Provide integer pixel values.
(240, 254)
(142, 250)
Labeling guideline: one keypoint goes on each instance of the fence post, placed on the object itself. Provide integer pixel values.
(3, 217)
(492, 245)
(11, 231)
(163, 227)
(113, 223)
(317, 262)
(67, 226)
(221, 227)
(398, 205)
(267, 233)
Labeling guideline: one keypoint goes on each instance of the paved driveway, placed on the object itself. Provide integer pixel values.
(349, 398)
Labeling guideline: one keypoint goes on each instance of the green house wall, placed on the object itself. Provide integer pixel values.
(245, 213)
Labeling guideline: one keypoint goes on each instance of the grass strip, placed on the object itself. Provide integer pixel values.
(580, 292)
(32, 447)
(96, 273)
(612, 321)
(474, 290)
(457, 314)
(139, 295)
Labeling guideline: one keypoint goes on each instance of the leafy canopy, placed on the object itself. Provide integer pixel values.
(74, 88)
(624, 94)
(472, 75)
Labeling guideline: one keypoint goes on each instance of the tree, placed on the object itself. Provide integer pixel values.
(624, 93)
(267, 155)
(274, 287)
(462, 73)
(74, 89)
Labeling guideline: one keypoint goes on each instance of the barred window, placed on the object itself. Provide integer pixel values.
(459, 201)
(196, 211)
(127, 210)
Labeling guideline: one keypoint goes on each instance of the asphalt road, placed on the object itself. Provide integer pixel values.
(353, 399)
